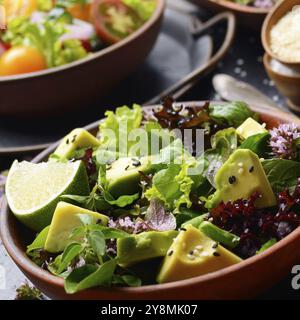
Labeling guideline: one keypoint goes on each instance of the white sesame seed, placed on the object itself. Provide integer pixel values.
(241, 171)
(204, 254)
(240, 164)
(264, 125)
(196, 252)
(199, 247)
(239, 62)
(191, 257)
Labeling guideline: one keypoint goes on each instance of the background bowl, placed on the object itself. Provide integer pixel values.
(59, 90)
(279, 10)
(286, 80)
(247, 16)
(233, 282)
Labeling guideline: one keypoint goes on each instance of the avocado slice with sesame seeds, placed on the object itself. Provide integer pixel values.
(144, 246)
(240, 177)
(193, 254)
(123, 175)
(76, 139)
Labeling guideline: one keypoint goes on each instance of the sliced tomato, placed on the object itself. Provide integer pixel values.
(114, 20)
(81, 11)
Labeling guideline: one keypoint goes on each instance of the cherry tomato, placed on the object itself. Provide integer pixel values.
(114, 20)
(21, 59)
(82, 12)
(17, 8)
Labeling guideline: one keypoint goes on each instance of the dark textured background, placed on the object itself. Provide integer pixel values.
(244, 61)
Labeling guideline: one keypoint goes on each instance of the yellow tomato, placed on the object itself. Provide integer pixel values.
(17, 8)
(21, 59)
(82, 12)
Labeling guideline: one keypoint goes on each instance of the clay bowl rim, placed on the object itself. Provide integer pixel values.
(266, 61)
(269, 22)
(239, 7)
(157, 14)
(37, 273)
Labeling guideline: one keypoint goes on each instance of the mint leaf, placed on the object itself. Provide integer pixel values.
(89, 276)
(259, 144)
(39, 241)
(97, 242)
(231, 114)
(282, 174)
(127, 279)
(72, 251)
(122, 201)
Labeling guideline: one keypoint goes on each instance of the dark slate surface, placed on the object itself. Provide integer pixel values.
(244, 61)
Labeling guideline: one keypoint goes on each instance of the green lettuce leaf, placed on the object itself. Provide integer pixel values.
(120, 123)
(172, 186)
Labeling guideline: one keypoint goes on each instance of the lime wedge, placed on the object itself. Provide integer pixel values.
(33, 190)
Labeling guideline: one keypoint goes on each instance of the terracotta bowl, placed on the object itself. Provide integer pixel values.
(244, 280)
(286, 81)
(247, 16)
(279, 10)
(78, 84)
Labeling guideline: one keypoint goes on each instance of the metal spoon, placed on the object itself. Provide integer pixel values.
(230, 88)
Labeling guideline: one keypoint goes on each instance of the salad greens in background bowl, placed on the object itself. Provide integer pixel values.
(58, 56)
(250, 14)
(99, 220)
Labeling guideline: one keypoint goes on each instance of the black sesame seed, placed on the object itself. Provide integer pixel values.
(215, 245)
(251, 169)
(170, 253)
(74, 138)
(232, 179)
(183, 229)
(108, 167)
(127, 168)
(68, 141)
(191, 252)
(216, 254)
(136, 163)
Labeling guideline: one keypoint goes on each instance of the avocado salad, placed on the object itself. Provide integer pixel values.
(42, 34)
(159, 194)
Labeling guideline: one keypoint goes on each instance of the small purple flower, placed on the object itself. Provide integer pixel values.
(264, 4)
(283, 141)
(129, 225)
